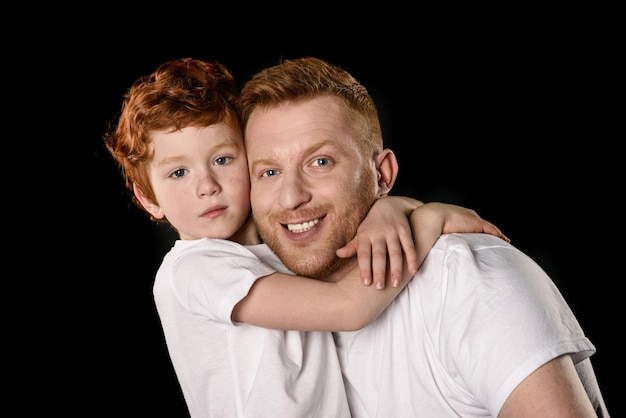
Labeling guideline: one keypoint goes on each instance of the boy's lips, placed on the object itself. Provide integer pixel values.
(213, 211)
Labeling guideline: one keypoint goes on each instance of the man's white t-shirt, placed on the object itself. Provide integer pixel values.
(228, 369)
(477, 319)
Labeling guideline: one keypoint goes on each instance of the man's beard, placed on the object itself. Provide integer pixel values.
(317, 258)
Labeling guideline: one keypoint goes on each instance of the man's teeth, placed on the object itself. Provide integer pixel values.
(303, 226)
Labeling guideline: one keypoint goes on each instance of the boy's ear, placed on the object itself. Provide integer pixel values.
(387, 168)
(152, 208)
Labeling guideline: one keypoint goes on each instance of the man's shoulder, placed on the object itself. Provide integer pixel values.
(471, 240)
(263, 252)
(475, 255)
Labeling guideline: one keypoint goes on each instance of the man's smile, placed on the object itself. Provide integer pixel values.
(302, 227)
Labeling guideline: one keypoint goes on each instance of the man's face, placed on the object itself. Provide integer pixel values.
(310, 187)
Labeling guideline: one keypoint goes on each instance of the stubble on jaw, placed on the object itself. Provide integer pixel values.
(317, 259)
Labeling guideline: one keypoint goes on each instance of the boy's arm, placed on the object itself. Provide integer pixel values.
(283, 301)
(384, 239)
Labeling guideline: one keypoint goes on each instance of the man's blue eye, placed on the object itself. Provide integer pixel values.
(322, 162)
(268, 173)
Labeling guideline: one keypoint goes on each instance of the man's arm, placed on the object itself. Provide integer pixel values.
(554, 390)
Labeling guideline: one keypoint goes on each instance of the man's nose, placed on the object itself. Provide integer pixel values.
(294, 190)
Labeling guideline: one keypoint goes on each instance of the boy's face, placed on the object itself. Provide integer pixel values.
(310, 187)
(201, 181)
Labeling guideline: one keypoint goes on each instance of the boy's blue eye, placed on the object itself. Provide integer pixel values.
(268, 173)
(223, 160)
(178, 173)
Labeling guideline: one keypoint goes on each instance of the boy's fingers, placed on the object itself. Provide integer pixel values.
(364, 257)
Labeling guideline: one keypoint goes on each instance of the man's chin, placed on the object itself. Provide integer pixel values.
(328, 269)
(311, 259)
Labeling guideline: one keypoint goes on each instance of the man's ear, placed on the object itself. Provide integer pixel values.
(387, 168)
(152, 208)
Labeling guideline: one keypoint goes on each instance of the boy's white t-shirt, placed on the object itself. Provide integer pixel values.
(228, 369)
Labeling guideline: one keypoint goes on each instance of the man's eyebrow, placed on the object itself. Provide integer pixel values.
(261, 162)
(339, 146)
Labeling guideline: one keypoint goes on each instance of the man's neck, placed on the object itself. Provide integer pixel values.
(344, 266)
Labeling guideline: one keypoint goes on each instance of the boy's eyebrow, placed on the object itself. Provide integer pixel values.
(228, 142)
(169, 160)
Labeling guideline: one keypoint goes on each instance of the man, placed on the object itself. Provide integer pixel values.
(481, 330)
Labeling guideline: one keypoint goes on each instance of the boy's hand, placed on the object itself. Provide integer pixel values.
(384, 241)
(385, 238)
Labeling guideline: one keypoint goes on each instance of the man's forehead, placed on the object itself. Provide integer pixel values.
(313, 106)
(295, 118)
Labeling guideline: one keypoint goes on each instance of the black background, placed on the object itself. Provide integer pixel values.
(506, 117)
